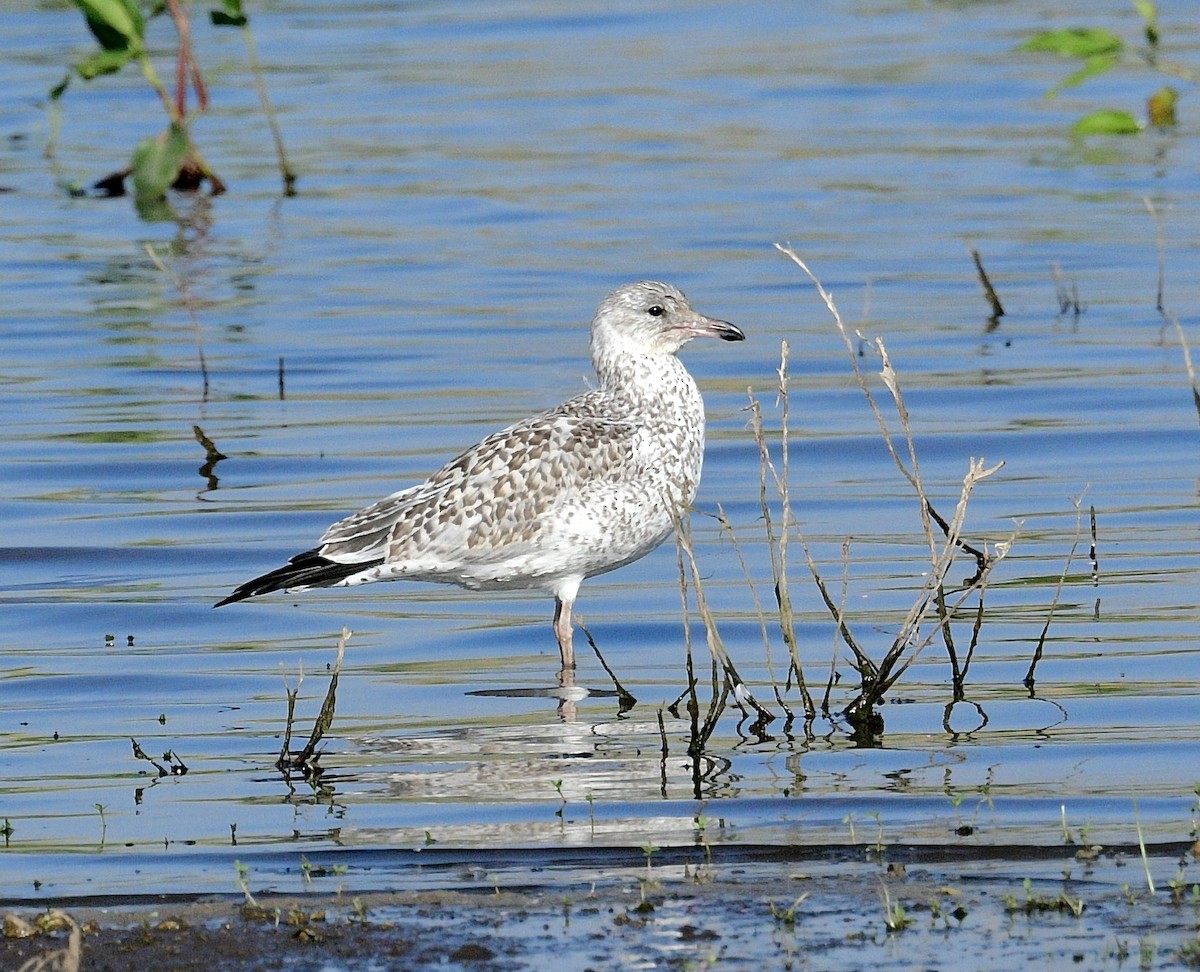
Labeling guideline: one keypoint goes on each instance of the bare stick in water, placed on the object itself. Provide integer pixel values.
(988, 290)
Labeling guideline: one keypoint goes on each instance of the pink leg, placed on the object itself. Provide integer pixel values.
(564, 632)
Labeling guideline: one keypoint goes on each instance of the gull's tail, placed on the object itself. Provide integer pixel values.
(308, 569)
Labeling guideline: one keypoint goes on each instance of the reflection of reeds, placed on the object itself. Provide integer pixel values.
(1170, 317)
(189, 304)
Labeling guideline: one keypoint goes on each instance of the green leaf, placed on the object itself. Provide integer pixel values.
(57, 91)
(1149, 13)
(1092, 66)
(116, 24)
(1085, 42)
(103, 62)
(157, 161)
(230, 15)
(1107, 122)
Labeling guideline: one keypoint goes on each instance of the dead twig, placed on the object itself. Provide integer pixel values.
(625, 699)
(60, 959)
(1028, 681)
(304, 759)
(932, 599)
(716, 646)
(777, 544)
(212, 455)
(174, 765)
(1068, 297)
(727, 527)
(988, 290)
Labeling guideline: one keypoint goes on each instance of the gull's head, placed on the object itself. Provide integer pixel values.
(650, 317)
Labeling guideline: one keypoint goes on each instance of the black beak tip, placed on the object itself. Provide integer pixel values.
(731, 333)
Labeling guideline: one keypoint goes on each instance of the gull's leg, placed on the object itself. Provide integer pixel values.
(564, 632)
(564, 600)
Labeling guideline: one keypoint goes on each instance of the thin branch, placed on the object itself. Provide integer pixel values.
(1028, 681)
(716, 645)
(988, 290)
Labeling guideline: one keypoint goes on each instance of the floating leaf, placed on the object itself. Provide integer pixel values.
(157, 161)
(1161, 106)
(103, 62)
(1085, 42)
(230, 15)
(1107, 122)
(117, 24)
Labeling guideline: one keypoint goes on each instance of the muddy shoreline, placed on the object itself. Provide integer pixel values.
(1058, 910)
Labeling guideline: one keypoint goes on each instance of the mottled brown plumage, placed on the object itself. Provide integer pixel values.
(576, 491)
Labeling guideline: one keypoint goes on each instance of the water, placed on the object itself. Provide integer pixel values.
(473, 179)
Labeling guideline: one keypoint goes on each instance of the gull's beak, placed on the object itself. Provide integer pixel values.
(702, 326)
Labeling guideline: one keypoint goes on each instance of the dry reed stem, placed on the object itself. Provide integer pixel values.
(286, 173)
(60, 959)
(839, 619)
(325, 717)
(786, 616)
(877, 680)
(699, 736)
(932, 592)
(727, 527)
(863, 663)
(777, 546)
(716, 646)
(288, 760)
(989, 292)
(1028, 681)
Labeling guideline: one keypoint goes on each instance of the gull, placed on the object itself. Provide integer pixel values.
(572, 492)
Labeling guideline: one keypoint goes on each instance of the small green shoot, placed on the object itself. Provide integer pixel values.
(243, 873)
(1041, 904)
(895, 917)
(787, 916)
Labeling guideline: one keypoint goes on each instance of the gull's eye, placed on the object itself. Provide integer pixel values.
(656, 310)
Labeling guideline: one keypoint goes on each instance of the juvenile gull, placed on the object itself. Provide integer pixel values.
(579, 490)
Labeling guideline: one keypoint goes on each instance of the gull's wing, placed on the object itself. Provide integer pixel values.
(494, 497)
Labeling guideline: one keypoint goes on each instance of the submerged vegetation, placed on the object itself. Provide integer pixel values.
(1101, 51)
(170, 159)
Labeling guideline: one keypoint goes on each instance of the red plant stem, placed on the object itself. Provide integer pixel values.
(186, 63)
